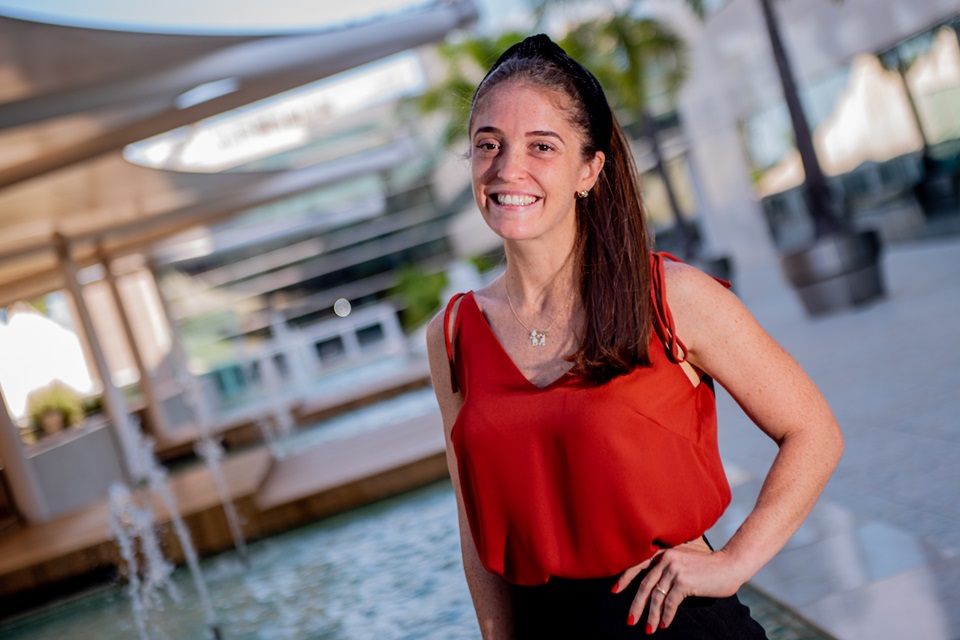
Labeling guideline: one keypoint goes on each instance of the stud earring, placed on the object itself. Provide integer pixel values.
(583, 194)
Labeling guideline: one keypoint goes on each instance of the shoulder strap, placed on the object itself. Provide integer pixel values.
(449, 335)
(662, 317)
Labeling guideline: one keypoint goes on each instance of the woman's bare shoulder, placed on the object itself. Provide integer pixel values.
(435, 332)
(686, 284)
(704, 311)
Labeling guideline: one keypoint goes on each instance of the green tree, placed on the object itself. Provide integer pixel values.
(420, 294)
(466, 61)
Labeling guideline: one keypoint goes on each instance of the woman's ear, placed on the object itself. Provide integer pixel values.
(591, 171)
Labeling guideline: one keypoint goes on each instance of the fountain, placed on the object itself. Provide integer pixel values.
(390, 570)
(211, 453)
(156, 477)
(130, 524)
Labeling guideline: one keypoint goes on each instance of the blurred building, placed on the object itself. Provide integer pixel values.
(233, 286)
(202, 202)
(880, 84)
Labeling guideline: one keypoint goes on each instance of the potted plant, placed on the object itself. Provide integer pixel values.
(54, 408)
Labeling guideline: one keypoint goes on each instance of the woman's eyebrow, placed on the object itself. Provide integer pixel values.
(529, 134)
(487, 129)
(544, 134)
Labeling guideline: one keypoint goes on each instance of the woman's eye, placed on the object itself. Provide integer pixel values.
(542, 146)
(487, 146)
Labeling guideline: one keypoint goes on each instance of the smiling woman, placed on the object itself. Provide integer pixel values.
(523, 172)
(215, 17)
(585, 462)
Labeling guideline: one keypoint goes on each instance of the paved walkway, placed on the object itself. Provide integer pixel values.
(880, 555)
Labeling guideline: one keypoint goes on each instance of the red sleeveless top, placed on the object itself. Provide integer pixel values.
(578, 480)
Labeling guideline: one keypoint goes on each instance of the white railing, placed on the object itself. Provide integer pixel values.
(294, 358)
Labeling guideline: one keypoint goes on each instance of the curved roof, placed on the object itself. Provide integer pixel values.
(71, 99)
(212, 17)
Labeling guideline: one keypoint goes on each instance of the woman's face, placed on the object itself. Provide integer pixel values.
(526, 163)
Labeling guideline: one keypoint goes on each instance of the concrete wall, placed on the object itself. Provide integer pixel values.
(76, 467)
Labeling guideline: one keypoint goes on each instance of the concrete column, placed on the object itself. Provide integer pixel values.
(706, 215)
(112, 399)
(289, 344)
(178, 353)
(27, 495)
(189, 386)
(351, 343)
(154, 412)
(392, 330)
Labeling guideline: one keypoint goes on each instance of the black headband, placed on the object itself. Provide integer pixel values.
(590, 93)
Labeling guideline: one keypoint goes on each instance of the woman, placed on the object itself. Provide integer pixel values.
(577, 396)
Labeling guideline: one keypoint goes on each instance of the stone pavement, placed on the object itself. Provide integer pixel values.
(880, 555)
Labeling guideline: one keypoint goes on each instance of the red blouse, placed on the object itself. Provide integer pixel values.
(577, 480)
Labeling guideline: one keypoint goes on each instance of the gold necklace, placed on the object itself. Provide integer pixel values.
(538, 337)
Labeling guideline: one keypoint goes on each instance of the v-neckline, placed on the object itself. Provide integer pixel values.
(503, 351)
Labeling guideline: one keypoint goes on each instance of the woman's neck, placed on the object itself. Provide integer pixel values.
(538, 277)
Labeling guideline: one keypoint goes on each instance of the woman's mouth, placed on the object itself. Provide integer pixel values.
(514, 199)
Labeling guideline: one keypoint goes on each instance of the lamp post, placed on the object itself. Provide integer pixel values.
(840, 268)
(817, 195)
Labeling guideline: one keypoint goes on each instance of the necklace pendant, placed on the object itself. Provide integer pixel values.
(538, 338)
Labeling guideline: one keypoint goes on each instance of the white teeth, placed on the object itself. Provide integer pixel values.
(514, 200)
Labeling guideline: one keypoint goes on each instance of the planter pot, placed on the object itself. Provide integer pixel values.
(52, 422)
(838, 271)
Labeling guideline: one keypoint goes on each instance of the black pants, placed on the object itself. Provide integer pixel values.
(587, 609)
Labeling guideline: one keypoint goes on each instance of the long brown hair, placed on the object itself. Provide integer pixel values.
(612, 249)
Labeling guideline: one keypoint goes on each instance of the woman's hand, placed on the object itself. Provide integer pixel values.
(690, 569)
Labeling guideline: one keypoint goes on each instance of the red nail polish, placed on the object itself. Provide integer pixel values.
(662, 625)
(649, 629)
(631, 620)
(616, 587)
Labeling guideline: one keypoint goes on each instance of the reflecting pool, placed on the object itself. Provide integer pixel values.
(389, 571)
(379, 415)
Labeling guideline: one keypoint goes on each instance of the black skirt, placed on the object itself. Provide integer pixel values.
(587, 609)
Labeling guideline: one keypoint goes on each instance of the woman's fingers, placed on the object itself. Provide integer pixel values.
(627, 576)
(664, 601)
(672, 576)
(649, 597)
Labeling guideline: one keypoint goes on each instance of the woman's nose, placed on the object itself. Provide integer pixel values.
(510, 165)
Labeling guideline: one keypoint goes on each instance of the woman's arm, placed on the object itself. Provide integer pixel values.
(489, 592)
(726, 342)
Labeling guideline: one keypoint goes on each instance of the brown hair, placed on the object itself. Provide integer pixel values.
(612, 249)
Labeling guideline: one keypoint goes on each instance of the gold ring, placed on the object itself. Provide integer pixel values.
(660, 590)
